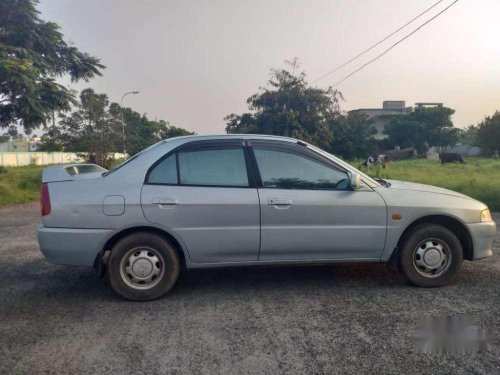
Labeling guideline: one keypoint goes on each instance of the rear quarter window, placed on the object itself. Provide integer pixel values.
(164, 172)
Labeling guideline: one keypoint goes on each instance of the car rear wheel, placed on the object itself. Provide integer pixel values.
(430, 256)
(143, 266)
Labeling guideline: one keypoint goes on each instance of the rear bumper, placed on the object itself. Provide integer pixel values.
(70, 246)
(482, 238)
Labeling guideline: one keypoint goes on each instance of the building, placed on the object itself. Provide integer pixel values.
(17, 144)
(35, 143)
(381, 116)
(21, 144)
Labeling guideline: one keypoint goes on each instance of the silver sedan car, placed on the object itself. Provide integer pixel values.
(238, 200)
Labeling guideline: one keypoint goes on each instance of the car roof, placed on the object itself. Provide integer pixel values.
(232, 136)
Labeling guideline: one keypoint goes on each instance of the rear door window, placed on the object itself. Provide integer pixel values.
(221, 166)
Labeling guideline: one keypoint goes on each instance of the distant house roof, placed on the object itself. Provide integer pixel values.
(381, 111)
(419, 105)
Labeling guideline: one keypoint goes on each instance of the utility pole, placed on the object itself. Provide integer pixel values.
(123, 119)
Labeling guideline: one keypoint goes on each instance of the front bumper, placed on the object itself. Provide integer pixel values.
(78, 247)
(482, 238)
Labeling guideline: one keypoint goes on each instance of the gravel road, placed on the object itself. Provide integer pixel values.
(341, 319)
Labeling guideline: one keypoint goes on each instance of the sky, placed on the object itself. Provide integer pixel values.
(194, 62)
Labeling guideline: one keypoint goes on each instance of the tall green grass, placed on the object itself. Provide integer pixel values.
(20, 184)
(479, 178)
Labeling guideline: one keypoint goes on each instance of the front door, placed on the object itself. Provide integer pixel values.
(204, 194)
(308, 210)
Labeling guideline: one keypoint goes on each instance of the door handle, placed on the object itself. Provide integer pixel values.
(165, 202)
(280, 202)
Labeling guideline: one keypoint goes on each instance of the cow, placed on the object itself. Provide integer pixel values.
(451, 157)
(383, 160)
(369, 162)
(373, 160)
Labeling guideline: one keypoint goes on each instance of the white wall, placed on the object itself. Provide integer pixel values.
(17, 159)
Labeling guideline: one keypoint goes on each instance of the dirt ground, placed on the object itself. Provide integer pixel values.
(340, 319)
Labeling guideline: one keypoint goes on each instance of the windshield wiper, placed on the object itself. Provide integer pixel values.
(383, 182)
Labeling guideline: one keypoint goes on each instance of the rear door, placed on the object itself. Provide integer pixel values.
(308, 210)
(205, 194)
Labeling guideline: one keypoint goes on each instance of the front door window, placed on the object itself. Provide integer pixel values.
(289, 170)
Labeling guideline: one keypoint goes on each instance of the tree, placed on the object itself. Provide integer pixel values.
(422, 129)
(488, 135)
(353, 136)
(90, 128)
(170, 131)
(140, 131)
(289, 107)
(468, 136)
(95, 128)
(11, 133)
(32, 55)
(52, 140)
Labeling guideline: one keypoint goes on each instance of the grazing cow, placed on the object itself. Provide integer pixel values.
(383, 160)
(403, 154)
(368, 163)
(451, 157)
(372, 160)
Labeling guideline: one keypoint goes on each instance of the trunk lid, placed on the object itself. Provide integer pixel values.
(72, 172)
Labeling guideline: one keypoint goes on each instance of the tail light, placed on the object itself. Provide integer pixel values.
(45, 199)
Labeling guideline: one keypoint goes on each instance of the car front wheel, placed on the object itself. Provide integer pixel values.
(143, 266)
(430, 256)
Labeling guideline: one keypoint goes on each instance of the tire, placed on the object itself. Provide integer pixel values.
(143, 266)
(430, 256)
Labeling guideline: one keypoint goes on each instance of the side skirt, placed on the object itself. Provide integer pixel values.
(281, 262)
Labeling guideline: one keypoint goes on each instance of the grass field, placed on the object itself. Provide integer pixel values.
(19, 184)
(479, 178)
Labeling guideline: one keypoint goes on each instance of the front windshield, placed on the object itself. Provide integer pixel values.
(369, 180)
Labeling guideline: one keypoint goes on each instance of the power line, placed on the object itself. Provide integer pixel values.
(376, 44)
(395, 44)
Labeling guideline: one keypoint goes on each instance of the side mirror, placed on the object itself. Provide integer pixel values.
(355, 181)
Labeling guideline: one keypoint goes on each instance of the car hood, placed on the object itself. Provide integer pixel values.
(412, 186)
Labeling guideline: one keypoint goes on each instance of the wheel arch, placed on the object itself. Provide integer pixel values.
(110, 242)
(453, 224)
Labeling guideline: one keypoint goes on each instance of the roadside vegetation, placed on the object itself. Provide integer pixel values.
(20, 184)
(479, 178)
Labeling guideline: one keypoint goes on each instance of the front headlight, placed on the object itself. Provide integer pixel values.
(485, 215)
